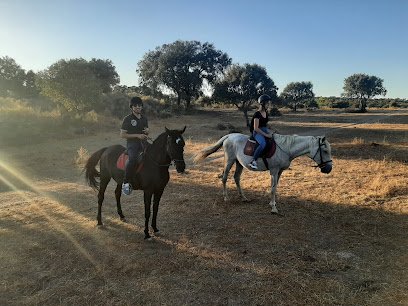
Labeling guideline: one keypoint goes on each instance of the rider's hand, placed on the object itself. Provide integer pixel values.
(146, 131)
(143, 136)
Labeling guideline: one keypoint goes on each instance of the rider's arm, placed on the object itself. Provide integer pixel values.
(124, 134)
(258, 130)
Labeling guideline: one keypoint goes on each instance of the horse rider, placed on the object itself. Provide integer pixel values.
(134, 129)
(259, 128)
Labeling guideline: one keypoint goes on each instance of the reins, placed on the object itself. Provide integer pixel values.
(319, 150)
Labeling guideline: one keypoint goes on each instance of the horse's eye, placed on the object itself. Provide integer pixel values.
(178, 140)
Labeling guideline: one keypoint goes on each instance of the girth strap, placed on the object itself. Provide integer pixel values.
(265, 162)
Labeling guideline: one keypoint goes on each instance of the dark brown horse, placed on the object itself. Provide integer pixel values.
(152, 178)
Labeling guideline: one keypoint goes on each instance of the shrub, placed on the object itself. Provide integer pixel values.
(204, 101)
(274, 112)
(115, 104)
(394, 104)
(340, 104)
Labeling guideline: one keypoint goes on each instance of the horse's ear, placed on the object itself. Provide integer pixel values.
(167, 130)
(183, 129)
(324, 139)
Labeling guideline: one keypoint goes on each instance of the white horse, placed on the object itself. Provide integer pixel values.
(288, 147)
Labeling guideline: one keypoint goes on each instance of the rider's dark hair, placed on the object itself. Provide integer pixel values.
(135, 101)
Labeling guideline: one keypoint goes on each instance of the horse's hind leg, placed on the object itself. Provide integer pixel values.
(227, 169)
(101, 196)
(118, 193)
(237, 178)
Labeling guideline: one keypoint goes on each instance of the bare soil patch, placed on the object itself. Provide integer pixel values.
(342, 239)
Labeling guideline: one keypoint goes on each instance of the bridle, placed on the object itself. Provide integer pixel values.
(319, 150)
(177, 140)
(172, 160)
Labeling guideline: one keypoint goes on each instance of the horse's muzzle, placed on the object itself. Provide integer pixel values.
(180, 166)
(327, 168)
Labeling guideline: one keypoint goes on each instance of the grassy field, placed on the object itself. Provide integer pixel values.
(341, 240)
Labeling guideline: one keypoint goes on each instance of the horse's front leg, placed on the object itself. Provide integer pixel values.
(147, 203)
(118, 194)
(237, 178)
(156, 201)
(275, 175)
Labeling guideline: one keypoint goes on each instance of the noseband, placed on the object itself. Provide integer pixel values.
(323, 163)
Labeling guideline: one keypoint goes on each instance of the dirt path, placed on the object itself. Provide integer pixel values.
(380, 117)
(342, 240)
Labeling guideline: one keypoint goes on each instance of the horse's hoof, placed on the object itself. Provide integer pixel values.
(149, 238)
(277, 213)
(99, 225)
(123, 219)
(245, 200)
(157, 232)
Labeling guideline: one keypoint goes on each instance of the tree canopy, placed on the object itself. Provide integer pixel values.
(181, 68)
(77, 85)
(12, 77)
(363, 87)
(241, 85)
(296, 93)
(105, 72)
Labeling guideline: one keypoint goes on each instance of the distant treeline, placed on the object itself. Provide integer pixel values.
(174, 77)
(342, 102)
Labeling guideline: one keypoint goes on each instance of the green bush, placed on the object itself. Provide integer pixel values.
(115, 104)
(340, 104)
(274, 112)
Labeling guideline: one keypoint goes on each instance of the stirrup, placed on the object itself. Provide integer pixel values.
(253, 165)
(126, 189)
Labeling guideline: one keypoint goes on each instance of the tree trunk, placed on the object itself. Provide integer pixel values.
(363, 105)
(178, 100)
(245, 111)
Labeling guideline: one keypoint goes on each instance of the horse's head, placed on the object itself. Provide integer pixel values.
(175, 148)
(321, 154)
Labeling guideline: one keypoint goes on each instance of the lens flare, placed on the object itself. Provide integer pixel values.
(16, 175)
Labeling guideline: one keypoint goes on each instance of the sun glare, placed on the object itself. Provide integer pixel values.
(22, 178)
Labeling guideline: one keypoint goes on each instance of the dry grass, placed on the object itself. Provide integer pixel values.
(82, 157)
(342, 239)
(21, 124)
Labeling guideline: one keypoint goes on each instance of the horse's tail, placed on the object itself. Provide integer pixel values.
(210, 150)
(90, 171)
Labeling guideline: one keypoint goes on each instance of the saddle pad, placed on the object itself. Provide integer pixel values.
(121, 162)
(249, 148)
(251, 145)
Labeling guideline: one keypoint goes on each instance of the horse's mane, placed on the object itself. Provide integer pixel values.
(160, 140)
(285, 141)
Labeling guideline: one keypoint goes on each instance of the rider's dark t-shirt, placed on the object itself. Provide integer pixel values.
(133, 125)
(263, 122)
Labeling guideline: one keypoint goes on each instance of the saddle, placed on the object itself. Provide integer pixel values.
(251, 146)
(123, 158)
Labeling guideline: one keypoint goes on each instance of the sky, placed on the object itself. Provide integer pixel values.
(321, 41)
